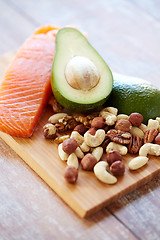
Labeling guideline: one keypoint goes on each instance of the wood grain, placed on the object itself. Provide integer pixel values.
(29, 209)
(141, 208)
(88, 195)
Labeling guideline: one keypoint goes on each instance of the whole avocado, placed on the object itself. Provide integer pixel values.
(131, 94)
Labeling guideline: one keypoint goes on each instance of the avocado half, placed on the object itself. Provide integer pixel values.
(132, 94)
(70, 45)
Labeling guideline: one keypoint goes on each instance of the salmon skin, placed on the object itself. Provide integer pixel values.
(26, 87)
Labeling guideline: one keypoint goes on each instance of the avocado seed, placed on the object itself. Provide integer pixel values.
(81, 73)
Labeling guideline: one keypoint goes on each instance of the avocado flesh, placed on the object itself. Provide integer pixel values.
(70, 43)
(131, 94)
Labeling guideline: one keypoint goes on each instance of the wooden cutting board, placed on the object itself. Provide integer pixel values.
(88, 195)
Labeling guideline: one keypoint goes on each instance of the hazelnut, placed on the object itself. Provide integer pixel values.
(69, 145)
(71, 174)
(92, 131)
(98, 122)
(113, 156)
(123, 125)
(157, 139)
(49, 131)
(136, 119)
(117, 168)
(81, 128)
(88, 162)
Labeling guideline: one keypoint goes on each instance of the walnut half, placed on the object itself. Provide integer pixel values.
(49, 131)
(119, 136)
(150, 135)
(135, 144)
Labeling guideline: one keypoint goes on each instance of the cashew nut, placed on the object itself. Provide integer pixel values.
(153, 124)
(94, 140)
(137, 132)
(155, 150)
(78, 137)
(56, 117)
(64, 156)
(144, 150)
(118, 147)
(79, 153)
(84, 147)
(102, 174)
(62, 138)
(111, 110)
(158, 119)
(143, 127)
(111, 119)
(97, 152)
(150, 148)
(109, 114)
(122, 116)
(73, 160)
(137, 162)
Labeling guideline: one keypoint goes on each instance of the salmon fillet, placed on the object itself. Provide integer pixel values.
(26, 87)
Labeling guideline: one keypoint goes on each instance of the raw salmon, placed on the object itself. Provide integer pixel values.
(26, 87)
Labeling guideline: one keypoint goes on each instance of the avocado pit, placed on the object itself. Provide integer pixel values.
(81, 73)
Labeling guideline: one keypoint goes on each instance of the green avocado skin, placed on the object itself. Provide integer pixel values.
(82, 108)
(135, 96)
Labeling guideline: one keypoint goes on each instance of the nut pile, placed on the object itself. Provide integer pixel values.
(98, 142)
